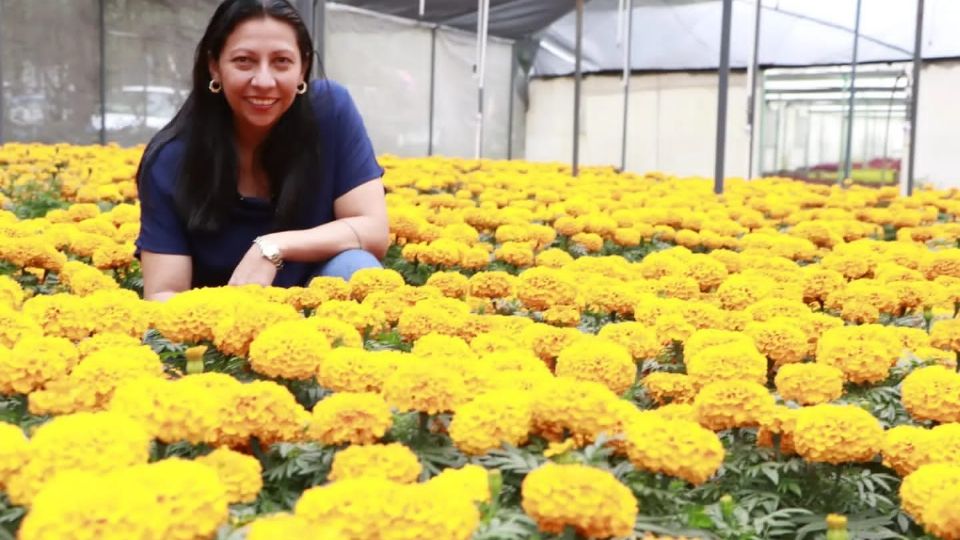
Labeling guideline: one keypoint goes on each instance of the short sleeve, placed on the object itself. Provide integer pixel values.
(356, 162)
(161, 229)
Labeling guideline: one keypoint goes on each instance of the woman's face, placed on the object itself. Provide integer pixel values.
(259, 68)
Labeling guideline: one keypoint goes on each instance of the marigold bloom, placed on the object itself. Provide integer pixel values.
(733, 403)
(837, 434)
(239, 473)
(291, 349)
(809, 384)
(394, 462)
(347, 417)
(491, 419)
(599, 360)
(932, 393)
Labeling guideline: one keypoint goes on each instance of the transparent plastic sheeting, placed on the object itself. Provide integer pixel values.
(668, 35)
(51, 70)
(385, 63)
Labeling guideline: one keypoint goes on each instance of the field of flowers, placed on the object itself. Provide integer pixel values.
(544, 356)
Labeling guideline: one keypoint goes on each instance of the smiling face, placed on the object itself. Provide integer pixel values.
(259, 67)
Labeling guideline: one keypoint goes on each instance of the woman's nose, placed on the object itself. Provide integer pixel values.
(263, 78)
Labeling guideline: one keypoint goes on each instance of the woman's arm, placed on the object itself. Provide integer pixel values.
(361, 222)
(165, 275)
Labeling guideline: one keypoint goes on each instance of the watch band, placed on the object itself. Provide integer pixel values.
(270, 251)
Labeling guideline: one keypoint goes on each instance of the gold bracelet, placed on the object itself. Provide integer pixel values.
(355, 234)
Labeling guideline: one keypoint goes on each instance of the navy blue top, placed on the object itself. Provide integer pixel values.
(348, 161)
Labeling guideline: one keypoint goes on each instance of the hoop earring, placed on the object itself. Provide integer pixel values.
(215, 87)
(302, 88)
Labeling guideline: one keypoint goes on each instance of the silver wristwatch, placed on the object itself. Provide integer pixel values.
(270, 251)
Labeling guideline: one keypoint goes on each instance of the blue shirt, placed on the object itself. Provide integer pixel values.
(348, 161)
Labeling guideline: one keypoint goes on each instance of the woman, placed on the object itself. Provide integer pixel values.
(260, 177)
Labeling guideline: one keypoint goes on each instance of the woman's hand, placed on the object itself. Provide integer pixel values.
(254, 268)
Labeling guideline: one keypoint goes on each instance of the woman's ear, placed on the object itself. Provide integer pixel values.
(214, 69)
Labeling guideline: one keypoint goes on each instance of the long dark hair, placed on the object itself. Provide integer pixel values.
(206, 189)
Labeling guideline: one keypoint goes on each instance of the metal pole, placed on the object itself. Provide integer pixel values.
(722, 95)
(513, 80)
(308, 14)
(103, 72)
(848, 158)
(433, 87)
(320, 25)
(752, 89)
(915, 97)
(1, 73)
(483, 12)
(627, 71)
(577, 88)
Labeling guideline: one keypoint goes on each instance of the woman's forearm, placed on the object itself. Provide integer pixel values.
(325, 241)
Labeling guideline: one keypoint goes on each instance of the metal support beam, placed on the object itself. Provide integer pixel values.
(577, 89)
(752, 89)
(627, 75)
(722, 95)
(103, 71)
(915, 96)
(320, 26)
(483, 27)
(848, 153)
(433, 87)
(511, 96)
(2, 111)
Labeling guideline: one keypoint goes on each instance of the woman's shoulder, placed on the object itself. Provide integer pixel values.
(329, 97)
(163, 162)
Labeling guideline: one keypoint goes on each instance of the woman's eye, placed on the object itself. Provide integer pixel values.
(243, 59)
(283, 60)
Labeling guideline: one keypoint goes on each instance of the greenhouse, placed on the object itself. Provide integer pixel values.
(479, 270)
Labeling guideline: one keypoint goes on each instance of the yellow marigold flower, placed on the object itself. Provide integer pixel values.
(13, 451)
(679, 448)
(470, 481)
(190, 316)
(291, 349)
(599, 360)
(189, 493)
(435, 345)
(945, 335)
(235, 333)
(709, 337)
(519, 254)
(14, 325)
(733, 403)
(338, 333)
(942, 263)
(393, 461)
(348, 417)
(490, 420)
(547, 341)
(330, 288)
(591, 242)
(441, 315)
(673, 327)
(677, 411)
(419, 386)
(639, 339)
(90, 386)
(932, 393)
(731, 362)
(239, 473)
(925, 485)
(782, 422)
(904, 447)
(587, 410)
(819, 283)
(943, 446)
(452, 284)
(809, 384)
(11, 294)
(367, 280)
(708, 272)
(119, 311)
(391, 511)
(837, 434)
(112, 255)
(665, 387)
(93, 442)
(268, 411)
(865, 354)
(541, 288)
(275, 526)
(779, 339)
(604, 508)
(941, 517)
(60, 315)
(739, 291)
(34, 361)
(567, 316)
(168, 410)
(104, 507)
(553, 258)
(681, 287)
(350, 369)
(83, 279)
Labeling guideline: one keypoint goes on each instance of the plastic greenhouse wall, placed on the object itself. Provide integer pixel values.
(53, 81)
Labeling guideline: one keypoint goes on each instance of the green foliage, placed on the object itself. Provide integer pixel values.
(34, 199)
(10, 517)
(288, 470)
